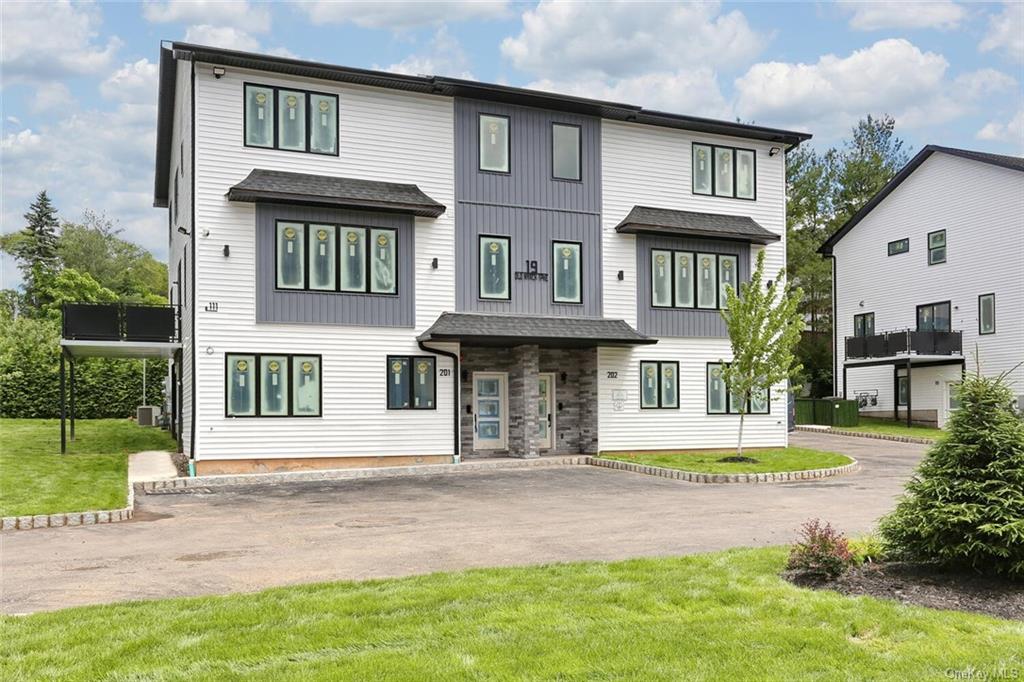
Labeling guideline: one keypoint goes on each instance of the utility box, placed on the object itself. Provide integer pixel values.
(147, 415)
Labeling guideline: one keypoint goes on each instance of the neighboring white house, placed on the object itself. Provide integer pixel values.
(934, 263)
(380, 269)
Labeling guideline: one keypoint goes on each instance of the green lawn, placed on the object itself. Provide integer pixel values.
(36, 479)
(714, 616)
(891, 428)
(769, 460)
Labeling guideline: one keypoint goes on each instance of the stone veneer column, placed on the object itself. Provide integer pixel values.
(523, 396)
(588, 401)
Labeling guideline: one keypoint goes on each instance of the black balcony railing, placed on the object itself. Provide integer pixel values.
(907, 341)
(120, 322)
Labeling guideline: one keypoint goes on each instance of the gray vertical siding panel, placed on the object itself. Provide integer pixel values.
(668, 322)
(334, 308)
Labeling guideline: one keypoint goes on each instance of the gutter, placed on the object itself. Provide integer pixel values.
(456, 409)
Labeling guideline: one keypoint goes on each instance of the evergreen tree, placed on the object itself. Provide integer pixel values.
(35, 248)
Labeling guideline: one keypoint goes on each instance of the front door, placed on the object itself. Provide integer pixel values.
(490, 403)
(545, 416)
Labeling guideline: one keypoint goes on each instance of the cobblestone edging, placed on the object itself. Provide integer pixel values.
(696, 477)
(86, 518)
(867, 434)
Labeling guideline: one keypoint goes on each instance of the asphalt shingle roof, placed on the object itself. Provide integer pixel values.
(512, 330)
(669, 222)
(327, 190)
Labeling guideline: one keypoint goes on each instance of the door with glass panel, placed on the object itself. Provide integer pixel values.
(490, 409)
(545, 415)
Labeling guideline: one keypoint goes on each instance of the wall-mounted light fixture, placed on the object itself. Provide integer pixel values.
(433, 264)
(773, 151)
(183, 231)
(218, 71)
(227, 250)
(465, 375)
(565, 377)
(621, 275)
(861, 304)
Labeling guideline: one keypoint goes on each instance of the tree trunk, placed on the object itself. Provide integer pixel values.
(739, 445)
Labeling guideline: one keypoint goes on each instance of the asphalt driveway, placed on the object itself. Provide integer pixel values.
(248, 538)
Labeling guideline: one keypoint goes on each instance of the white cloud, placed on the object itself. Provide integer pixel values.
(872, 16)
(444, 56)
(402, 15)
(226, 37)
(51, 41)
(133, 82)
(50, 97)
(1006, 31)
(235, 13)
(566, 40)
(1012, 131)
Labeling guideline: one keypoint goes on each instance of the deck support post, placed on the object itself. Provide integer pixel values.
(910, 391)
(71, 362)
(63, 410)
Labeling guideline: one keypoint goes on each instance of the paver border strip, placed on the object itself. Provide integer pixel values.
(868, 434)
(82, 518)
(701, 477)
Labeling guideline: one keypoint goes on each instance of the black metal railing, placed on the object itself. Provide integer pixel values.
(904, 342)
(120, 322)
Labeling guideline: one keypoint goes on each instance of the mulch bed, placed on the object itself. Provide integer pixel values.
(923, 585)
(180, 460)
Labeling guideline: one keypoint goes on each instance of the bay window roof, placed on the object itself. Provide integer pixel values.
(672, 223)
(549, 332)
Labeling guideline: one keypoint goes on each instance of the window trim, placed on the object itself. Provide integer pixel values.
(865, 316)
(944, 246)
(553, 270)
(890, 250)
(917, 316)
(900, 380)
(714, 175)
(675, 376)
(579, 151)
(991, 295)
(258, 393)
(479, 267)
(479, 148)
(308, 132)
(728, 396)
(672, 278)
(412, 362)
(338, 228)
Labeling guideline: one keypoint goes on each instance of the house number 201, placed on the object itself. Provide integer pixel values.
(444, 372)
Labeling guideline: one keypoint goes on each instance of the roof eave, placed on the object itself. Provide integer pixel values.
(166, 96)
(641, 228)
(263, 196)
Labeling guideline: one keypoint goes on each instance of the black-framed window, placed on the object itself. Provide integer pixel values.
(336, 257)
(864, 324)
(659, 385)
(566, 272)
(899, 246)
(691, 279)
(566, 151)
(272, 385)
(724, 171)
(495, 143)
(412, 382)
(986, 314)
(902, 385)
(934, 317)
(720, 400)
(291, 120)
(175, 198)
(495, 265)
(936, 247)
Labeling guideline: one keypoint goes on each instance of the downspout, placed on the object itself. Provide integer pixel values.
(835, 338)
(192, 243)
(456, 409)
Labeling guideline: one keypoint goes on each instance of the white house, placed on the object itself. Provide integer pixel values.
(928, 282)
(378, 269)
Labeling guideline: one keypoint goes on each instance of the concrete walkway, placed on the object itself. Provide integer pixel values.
(214, 541)
(151, 465)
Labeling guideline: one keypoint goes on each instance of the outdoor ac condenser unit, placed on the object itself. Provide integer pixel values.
(147, 415)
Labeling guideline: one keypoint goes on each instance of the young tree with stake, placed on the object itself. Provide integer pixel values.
(764, 326)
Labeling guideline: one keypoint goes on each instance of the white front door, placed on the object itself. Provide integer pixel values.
(490, 410)
(545, 413)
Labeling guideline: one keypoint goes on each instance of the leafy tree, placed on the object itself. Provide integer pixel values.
(35, 247)
(865, 164)
(764, 326)
(72, 286)
(965, 506)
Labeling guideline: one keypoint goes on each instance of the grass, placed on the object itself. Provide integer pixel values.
(714, 616)
(36, 479)
(769, 460)
(891, 428)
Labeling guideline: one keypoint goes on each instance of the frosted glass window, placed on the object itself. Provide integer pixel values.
(398, 383)
(352, 264)
(494, 143)
(259, 116)
(669, 384)
(649, 384)
(723, 172)
(566, 274)
(717, 400)
(306, 385)
(759, 402)
(290, 259)
(987, 314)
(707, 280)
(702, 162)
(565, 153)
(291, 120)
(936, 247)
(383, 265)
(323, 127)
(241, 388)
(684, 279)
(322, 249)
(726, 277)
(273, 385)
(659, 385)
(864, 324)
(901, 390)
(661, 279)
(423, 390)
(494, 267)
(744, 174)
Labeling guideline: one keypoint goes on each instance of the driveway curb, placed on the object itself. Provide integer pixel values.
(697, 477)
(866, 434)
(85, 518)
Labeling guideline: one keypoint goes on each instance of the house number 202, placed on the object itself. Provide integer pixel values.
(613, 375)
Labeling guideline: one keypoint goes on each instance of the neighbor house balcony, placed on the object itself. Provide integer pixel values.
(906, 342)
(127, 322)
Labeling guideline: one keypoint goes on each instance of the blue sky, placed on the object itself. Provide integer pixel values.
(79, 79)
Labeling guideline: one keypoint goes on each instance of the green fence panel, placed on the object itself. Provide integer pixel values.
(804, 411)
(845, 413)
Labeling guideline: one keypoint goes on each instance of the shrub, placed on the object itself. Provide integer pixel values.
(867, 549)
(965, 505)
(821, 551)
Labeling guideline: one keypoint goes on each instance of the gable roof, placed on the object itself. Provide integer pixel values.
(674, 223)
(431, 85)
(1010, 162)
